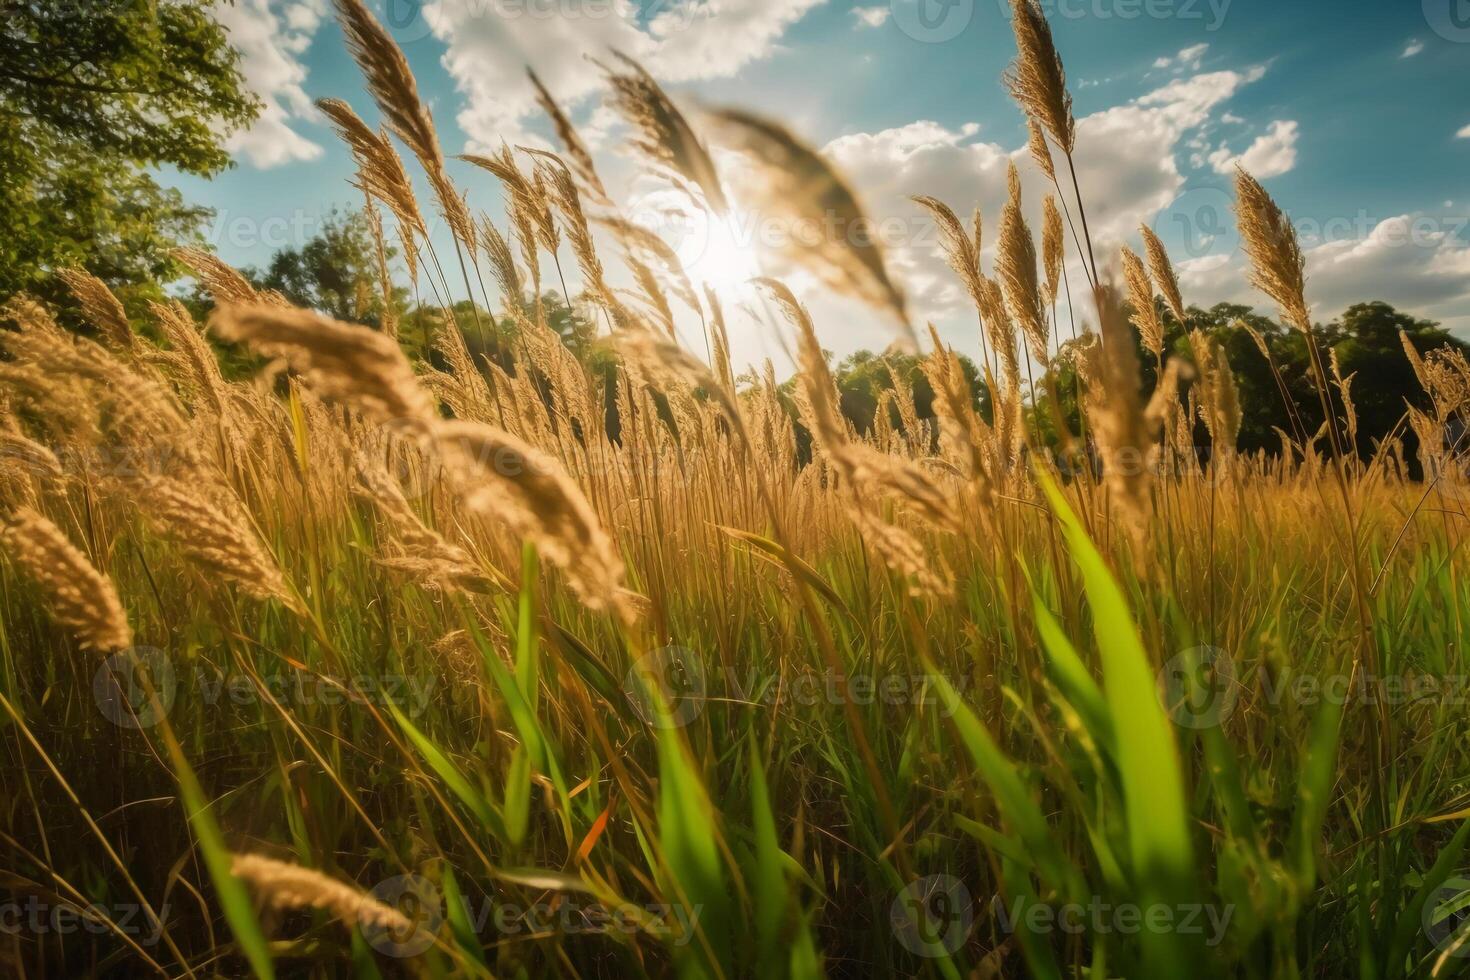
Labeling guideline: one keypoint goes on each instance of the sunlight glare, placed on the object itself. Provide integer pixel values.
(716, 253)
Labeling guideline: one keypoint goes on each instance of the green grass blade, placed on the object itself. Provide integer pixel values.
(446, 770)
(1148, 757)
(1012, 798)
(233, 898)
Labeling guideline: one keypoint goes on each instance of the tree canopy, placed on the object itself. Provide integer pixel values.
(93, 96)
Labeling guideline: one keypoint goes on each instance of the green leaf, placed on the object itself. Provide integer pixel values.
(457, 913)
(1148, 757)
(1073, 677)
(1314, 787)
(1012, 798)
(686, 823)
(769, 893)
(233, 898)
(776, 554)
(517, 809)
(450, 774)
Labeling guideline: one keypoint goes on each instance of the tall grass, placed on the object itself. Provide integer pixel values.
(393, 666)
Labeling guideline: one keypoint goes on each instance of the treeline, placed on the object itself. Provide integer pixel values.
(336, 273)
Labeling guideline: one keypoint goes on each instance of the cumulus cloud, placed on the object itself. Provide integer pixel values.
(489, 43)
(1414, 261)
(271, 38)
(1412, 48)
(1464, 133)
(921, 157)
(1417, 262)
(1126, 167)
(871, 16)
(1272, 154)
(1188, 58)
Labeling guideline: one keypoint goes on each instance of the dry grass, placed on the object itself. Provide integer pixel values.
(752, 697)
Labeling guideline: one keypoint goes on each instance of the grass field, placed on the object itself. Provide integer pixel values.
(369, 664)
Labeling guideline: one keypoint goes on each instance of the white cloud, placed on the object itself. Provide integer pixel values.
(1463, 134)
(1272, 154)
(1412, 48)
(1188, 58)
(1127, 170)
(1416, 258)
(1415, 262)
(491, 42)
(871, 16)
(271, 38)
(716, 38)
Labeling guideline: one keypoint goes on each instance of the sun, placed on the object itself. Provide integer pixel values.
(717, 250)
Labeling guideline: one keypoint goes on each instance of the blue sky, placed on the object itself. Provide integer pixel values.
(1353, 114)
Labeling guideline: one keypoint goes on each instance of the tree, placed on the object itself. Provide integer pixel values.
(92, 96)
(1366, 338)
(1366, 341)
(334, 273)
(863, 376)
(1262, 407)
